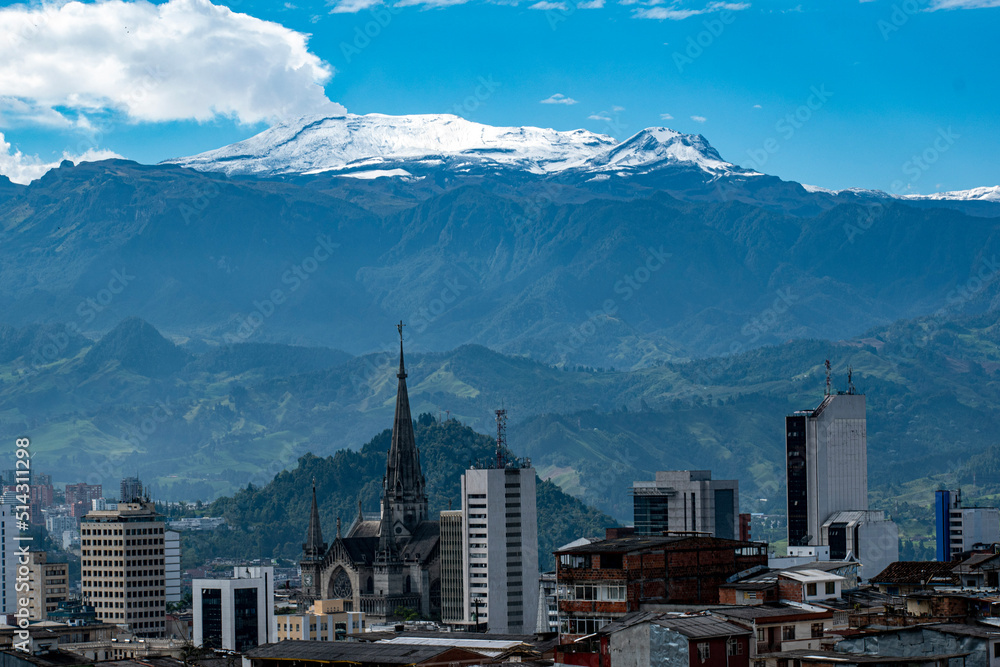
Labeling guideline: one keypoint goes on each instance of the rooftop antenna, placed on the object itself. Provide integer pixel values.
(850, 380)
(827, 377)
(501, 438)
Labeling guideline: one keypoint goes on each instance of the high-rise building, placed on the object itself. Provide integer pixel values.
(827, 464)
(498, 540)
(41, 496)
(827, 483)
(235, 614)
(8, 558)
(76, 493)
(172, 564)
(687, 501)
(48, 585)
(961, 529)
(123, 568)
(131, 490)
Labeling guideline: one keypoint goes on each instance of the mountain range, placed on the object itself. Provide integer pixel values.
(206, 325)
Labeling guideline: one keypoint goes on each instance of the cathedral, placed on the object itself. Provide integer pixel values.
(387, 564)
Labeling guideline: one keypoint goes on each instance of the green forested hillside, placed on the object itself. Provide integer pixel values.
(271, 521)
(243, 413)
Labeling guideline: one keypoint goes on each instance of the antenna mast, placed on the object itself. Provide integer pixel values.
(850, 380)
(827, 377)
(501, 438)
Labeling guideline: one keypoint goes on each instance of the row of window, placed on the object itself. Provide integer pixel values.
(597, 592)
(831, 588)
(585, 626)
(118, 531)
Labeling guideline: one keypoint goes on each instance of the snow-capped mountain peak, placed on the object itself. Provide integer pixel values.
(658, 146)
(380, 142)
(991, 193)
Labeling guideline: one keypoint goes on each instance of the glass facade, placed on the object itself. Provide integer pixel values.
(211, 615)
(245, 618)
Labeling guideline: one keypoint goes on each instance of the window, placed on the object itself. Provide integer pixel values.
(831, 588)
(996, 650)
(816, 630)
(761, 635)
(810, 589)
(787, 632)
(704, 651)
(734, 647)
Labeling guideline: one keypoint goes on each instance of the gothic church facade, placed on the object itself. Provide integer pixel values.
(390, 564)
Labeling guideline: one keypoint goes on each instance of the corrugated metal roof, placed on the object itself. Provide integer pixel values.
(386, 653)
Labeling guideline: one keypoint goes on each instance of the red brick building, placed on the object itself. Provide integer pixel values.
(82, 492)
(608, 579)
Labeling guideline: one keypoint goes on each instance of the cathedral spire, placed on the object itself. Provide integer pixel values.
(314, 547)
(404, 481)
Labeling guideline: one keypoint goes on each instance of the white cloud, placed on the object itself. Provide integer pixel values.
(617, 109)
(677, 13)
(23, 169)
(592, 4)
(698, 119)
(666, 116)
(353, 6)
(757, 106)
(963, 4)
(559, 98)
(183, 59)
(430, 3)
(546, 5)
(600, 116)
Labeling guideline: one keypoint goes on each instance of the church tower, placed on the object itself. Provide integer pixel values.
(404, 498)
(313, 552)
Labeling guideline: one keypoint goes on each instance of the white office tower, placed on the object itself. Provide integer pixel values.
(172, 564)
(235, 614)
(489, 550)
(8, 558)
(827, 481)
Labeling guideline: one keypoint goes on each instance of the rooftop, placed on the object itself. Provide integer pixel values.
(638, 542)
(768, 613)
(917, 573)
(357, 652)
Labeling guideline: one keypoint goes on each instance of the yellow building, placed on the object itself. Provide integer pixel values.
(326, 620)
(48, 585)
(122, 567)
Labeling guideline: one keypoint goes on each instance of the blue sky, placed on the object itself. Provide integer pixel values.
(867, 86)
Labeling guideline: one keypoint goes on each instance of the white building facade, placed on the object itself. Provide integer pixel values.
(493, 547)
(8, 558)
(172, 564)
(235, 614)
(827, 484)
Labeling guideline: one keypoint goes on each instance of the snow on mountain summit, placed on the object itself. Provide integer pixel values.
(372, 141)
(656, 146)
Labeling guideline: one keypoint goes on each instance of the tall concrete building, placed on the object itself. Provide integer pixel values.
(122, 567)
(235, 614)
(172, 564)
(961, 529)
(8, 557)
(827, 483)
(48, 585)
(493, 541)
(687, 501)
(827, 464)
